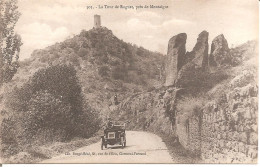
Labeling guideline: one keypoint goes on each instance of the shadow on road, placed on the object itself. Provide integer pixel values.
(119, 147)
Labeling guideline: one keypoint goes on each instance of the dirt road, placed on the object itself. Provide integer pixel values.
(141, 147)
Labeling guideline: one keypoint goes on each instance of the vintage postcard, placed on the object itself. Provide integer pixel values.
(129, 81)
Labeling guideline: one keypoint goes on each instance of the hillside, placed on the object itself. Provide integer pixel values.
(105, 65)
(202, 103)
(65, 90)
(210, 114)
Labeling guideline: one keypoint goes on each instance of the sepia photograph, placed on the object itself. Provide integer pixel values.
(129, 81)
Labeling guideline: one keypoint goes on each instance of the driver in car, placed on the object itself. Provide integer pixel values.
(109, 123)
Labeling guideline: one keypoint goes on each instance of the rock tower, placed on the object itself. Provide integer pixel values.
(220, 52)
(97, 21)
(175, 58)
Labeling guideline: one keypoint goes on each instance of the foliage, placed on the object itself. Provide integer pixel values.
(119, 72)
(104, 71)
(10, 42)
(49, 107)
(189, 106)
(120, 57)
(197, 80)
(47, 103)
(82, 52)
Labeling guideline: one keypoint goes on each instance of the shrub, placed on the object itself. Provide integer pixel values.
(49, 107)
(47, 113)
(61, 81)
(83, 52)
(190, 106)
(119, 72)
(104, 71)
(9, 144)
(133, 77)
(9, 71)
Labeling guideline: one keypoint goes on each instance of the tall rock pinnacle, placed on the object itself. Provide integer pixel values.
(220, 53)
(200, 51)
(175, 57)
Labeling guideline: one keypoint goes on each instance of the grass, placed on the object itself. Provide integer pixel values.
(40, 153)
(189, 106)
(178, 153)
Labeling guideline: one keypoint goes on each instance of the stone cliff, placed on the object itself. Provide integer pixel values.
(220, 126)
(200, 51)
(212, 113)
(220, 52)
(196, 63)
(180, 65)
(224, 130)
(175, 57)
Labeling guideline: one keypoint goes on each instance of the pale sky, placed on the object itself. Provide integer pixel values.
(45, 22)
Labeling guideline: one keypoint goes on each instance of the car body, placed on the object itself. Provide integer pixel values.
(114, 135)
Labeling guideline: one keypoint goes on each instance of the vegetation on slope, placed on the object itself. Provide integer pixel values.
(49, 107)
(64, 91)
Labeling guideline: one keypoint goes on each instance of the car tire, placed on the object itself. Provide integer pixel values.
(122, 142)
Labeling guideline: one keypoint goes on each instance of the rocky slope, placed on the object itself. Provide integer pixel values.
(208, 108)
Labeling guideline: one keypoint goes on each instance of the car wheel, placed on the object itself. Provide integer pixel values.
(122, 141)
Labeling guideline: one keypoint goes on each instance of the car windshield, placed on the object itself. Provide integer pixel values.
(119, 124)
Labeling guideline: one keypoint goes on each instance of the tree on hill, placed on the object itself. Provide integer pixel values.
(10, 42)
(49, 107)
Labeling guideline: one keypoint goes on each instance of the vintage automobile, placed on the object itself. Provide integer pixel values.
(114, 134)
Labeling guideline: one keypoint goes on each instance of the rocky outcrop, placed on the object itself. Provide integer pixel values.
(229, 129)
(200, 51)
(151, 111)
(196, 61)
(186, 76)
(175, 57)
(220, 52)
(213, 115)
(223, 129)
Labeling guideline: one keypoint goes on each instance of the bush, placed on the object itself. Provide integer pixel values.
(104, 71)
(61, 81)
(49, 107)
(9, 71)
(88, 122)
(47, 113)
(9, 144)
(190, 106)
(119, 72)
(198, 80)
(83, 52)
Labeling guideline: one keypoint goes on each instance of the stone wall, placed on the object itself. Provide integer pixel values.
(194, 135)
(188, 132)
(225, 131)
(182, 131)
(229, 132)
